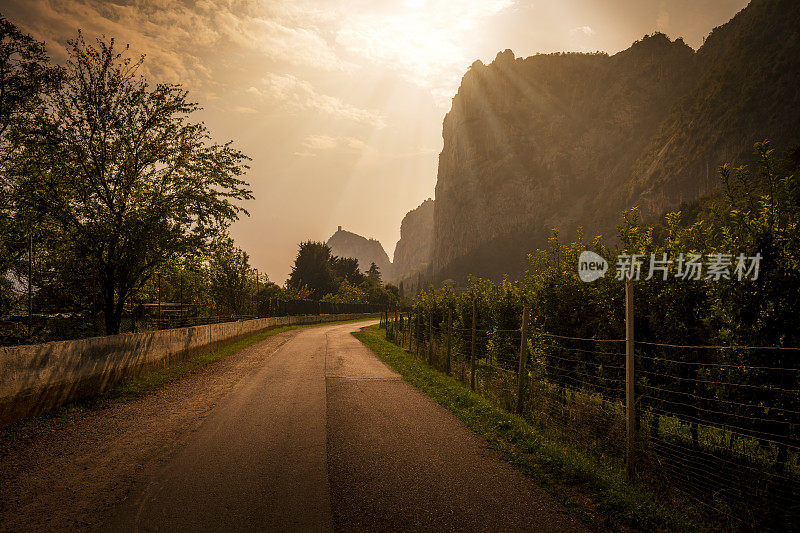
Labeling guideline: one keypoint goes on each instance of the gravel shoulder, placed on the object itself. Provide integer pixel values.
(63, 472)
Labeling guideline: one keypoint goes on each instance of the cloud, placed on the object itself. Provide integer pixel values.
(178, 36)
(581, 30)
(244, 110)
(320, 142)
(296, 96)
(426, 41)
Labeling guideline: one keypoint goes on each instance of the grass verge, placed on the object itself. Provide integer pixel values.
(596, 492)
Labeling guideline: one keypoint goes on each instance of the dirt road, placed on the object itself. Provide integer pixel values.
(304, 431)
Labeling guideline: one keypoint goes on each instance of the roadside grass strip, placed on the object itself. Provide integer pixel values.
(596, 492)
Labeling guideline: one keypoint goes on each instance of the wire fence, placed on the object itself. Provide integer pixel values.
(716, 426)
(56, 325)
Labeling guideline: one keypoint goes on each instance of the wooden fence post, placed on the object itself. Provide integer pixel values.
(630, 400)
(449, 336)
(416, 335)
(407, 331)
(430, 339)
(523, 362)
(472, 351)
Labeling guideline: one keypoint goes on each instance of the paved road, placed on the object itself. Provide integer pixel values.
(323, 436)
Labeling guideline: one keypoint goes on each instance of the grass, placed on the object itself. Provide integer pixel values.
(596, 492)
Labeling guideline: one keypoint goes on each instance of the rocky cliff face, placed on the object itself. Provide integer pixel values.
(347, 244)
(567, 140)
(413, 251)
(745, 90)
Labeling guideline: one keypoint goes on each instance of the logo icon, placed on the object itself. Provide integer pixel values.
(591, 266)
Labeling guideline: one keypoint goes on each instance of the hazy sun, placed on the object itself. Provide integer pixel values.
(427, 41)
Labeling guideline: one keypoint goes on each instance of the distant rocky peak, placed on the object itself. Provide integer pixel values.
(344, 243)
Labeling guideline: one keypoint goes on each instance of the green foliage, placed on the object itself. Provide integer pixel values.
(374, 274)
(720, 402)
(347, 293)
(337, 279)
(119, 180)
(757, 211)
(231, 280)
(346, 269)
(313, 269)
(25, 77)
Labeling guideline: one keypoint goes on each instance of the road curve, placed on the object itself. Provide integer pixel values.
(323, 436)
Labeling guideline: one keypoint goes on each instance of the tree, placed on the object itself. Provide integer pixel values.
(374, 275)
(25, 76)
(312, 269)
(347, 269)
(122, 176)
(347, 293)
(232, 286)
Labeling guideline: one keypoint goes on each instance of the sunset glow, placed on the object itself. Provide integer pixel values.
(340, 101)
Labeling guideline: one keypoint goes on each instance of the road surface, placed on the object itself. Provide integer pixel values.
(305, 432)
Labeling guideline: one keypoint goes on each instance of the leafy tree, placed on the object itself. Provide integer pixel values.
(374, 275)
(121, 175)
(231, 282)
(393, 291)
(347, 269)
(313, 270)
(25, 76)
(268, 294)
(347, 293)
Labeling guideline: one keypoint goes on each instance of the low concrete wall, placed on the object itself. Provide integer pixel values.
(36, 378)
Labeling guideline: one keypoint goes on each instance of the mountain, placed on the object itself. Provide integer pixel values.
(347, 244)
(567, 140)
(413, 251)
(746, 90)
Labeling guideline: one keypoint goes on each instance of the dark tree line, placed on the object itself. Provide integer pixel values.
(321, 275)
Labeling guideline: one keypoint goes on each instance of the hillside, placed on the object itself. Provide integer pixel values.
(347, 244)
(567, 140)
(413, 251)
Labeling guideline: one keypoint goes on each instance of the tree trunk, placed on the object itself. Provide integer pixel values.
(110, 309)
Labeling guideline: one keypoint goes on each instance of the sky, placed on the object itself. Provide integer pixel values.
(340, 103)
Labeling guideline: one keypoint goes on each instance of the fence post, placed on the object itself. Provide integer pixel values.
(449, 336)
(411, 319)
(159, 301)
(30, 284)
(630, 418)
(472, 351)
(430, 339)
(523, 361)
(416, 335)
(407, 331)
